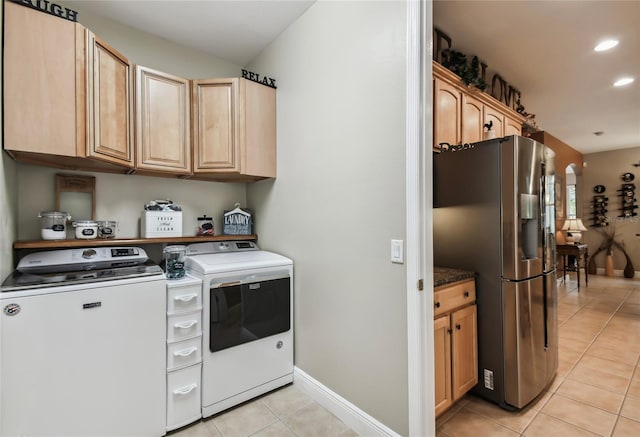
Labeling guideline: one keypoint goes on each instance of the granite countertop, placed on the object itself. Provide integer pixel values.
(447, 275)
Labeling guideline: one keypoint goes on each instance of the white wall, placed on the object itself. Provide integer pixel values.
(122, 197)
(605, 168)
(340, 197)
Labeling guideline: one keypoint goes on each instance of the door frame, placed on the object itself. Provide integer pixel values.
(419, 174)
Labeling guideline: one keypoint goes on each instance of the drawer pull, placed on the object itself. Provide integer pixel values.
(185, 390)
(185, 352)
(186, 297)
(186, 325)
(466, 293)
(437, 304)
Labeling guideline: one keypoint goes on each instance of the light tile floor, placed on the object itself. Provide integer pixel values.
(596, 391)
(287, 412)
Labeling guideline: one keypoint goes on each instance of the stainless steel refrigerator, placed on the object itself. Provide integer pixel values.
(494, 214)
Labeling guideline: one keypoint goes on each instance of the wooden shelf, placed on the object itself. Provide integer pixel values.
(101, 242)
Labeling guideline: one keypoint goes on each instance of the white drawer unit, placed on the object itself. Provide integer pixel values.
(183, 397)
(184, 326)
(184, 299)
(184, 351)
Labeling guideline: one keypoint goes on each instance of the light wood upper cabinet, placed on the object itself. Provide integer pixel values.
(41, 82)
(69, 103)
(472, 120)
(215, 125)
(163, 132)
(109, 104)
(446, 113)
(496, 118)
(460, 112)
(512, 127)
(234, 130)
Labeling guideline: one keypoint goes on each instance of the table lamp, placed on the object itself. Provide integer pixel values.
(574, 228)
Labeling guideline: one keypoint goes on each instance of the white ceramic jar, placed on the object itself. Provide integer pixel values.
(53, 225)
(86, 229)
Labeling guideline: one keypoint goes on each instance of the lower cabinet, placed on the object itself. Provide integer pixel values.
(184, 351)
(455, 341)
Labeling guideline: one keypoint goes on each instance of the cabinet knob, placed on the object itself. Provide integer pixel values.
(449, 331)
(466, 293)
(458, 326)
(437, 304)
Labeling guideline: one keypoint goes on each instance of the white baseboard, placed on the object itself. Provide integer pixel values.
(354, 417)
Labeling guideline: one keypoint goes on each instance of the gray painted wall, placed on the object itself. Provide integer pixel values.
(340, 197)
(605, 168)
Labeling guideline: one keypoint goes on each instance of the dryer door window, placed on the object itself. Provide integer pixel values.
(244, 312)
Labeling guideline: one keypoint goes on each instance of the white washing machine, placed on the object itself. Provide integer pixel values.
(82, 344)
(247, 321)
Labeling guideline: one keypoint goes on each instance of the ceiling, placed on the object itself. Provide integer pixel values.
(542, 48)
(234, 30)
(545, 49)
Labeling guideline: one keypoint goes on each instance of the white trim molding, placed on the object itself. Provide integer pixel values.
(419, 138)
(354, 417)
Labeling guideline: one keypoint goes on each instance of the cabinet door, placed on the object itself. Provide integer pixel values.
(491, 115)
(215, 129)
(464, 350)
(40, 82)
(163, 140)
(472, 117)
(442, 367)
(258, 129)
(446, 113)
(512, 127)
(109, 104)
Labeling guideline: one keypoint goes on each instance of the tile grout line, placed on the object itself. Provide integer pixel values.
(581, 356)
(617, 415)
(280, 419)
(626, 393)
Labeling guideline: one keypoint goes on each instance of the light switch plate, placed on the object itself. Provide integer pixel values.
(397, 251)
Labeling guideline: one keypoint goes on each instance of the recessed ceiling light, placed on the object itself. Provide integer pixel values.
(606, 45)
(624, 81)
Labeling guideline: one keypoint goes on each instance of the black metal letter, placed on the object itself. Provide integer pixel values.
(439, 37)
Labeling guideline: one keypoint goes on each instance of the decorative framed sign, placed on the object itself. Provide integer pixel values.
(237, 222)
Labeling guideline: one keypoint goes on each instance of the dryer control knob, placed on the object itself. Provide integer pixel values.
(89, 253)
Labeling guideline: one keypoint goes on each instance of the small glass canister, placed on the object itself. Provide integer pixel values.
(107, 228)
(174, 258)
(205, 225)
(53, 225)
